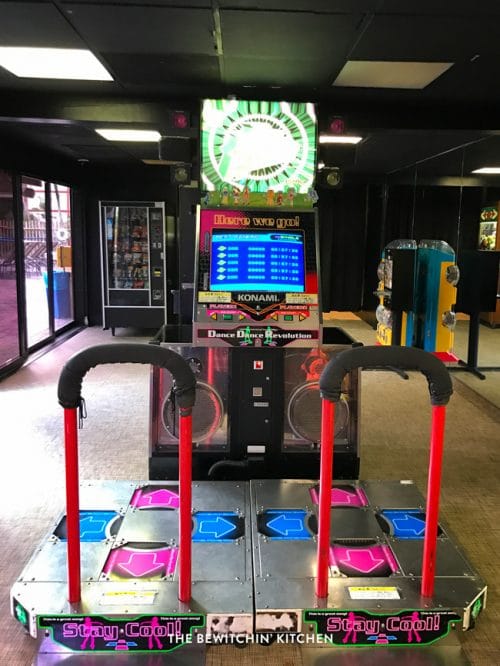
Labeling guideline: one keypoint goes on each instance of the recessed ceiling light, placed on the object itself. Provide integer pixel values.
(149, 136)
(35, 63)
(389, 74)
(487, 170)
(339, 138)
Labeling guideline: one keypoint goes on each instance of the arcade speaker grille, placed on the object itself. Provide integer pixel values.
(207, 414)
(302, 405)
(304, 413)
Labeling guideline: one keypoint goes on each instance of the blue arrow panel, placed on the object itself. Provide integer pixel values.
(284, 524)
(217, 526)
(95, 526)
(404, 523)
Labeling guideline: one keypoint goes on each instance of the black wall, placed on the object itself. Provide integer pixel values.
(357, 221)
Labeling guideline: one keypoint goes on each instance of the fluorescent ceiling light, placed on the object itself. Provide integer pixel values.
(37, 63)
(130, 135)
(339, 138)
(389, 74)
(487, 170)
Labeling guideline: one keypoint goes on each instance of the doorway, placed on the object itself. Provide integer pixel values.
(36, 279)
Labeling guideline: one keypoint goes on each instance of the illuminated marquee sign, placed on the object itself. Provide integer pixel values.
(258, 147)
(361, 628)
(145, 633)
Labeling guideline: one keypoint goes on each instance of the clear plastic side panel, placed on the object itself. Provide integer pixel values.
(302, 418)
(210, 421)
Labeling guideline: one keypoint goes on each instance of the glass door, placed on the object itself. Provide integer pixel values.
(36, 255)
(9, 322)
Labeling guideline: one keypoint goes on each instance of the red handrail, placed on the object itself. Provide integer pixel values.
(185, 501)
(325, 494)
(432, 507)
(72, 504)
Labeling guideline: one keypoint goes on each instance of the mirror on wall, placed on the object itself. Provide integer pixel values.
(447, 202)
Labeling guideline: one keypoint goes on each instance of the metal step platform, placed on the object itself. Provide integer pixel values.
(254, 569)
(347, 570)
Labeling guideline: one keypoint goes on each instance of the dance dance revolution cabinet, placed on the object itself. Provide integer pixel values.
(258, 354)
(257, 346)
(133, 264)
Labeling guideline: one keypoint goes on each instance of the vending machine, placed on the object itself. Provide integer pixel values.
(133, 264)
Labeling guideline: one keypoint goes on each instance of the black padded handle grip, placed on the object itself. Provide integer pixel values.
(407, 358)
(70, 381)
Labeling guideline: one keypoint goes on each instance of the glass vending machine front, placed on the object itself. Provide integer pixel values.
(127, 250)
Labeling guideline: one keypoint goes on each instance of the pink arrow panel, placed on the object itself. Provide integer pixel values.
(128, 562)
(367, 560)
(155, 497)
(343, 496)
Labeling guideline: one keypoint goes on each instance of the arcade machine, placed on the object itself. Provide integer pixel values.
(437, 279)
(417, 293)
(257, 345)
(257, 354)
(135, 567)
(396, 293)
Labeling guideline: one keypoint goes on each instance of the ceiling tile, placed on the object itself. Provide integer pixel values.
(287, 35)
(142, 4)
(442, 39)
(310, 6)
(276, 72)
(35, 24)
(443, 7)
(143, 69)
(132, 29)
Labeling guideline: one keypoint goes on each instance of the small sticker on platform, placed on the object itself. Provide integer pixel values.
(374, 593)
(130, 597)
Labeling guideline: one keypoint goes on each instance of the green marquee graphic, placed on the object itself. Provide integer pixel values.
(258, 146)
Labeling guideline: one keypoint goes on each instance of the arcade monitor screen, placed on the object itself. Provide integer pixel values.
(263, 261)
(258, 145)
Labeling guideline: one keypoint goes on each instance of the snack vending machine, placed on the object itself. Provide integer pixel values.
(133, 264)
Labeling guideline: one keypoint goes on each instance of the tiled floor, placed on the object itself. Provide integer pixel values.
(114, 444)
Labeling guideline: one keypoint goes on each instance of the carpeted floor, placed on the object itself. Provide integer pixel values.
(113, 444)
